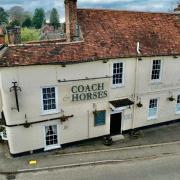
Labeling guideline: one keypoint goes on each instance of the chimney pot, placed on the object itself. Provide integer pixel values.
(14, 35)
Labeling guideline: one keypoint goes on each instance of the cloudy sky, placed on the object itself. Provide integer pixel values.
(139, 5)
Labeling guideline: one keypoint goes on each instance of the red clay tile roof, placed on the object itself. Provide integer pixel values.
(107, 34)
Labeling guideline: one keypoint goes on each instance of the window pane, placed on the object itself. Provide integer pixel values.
(45, 107)
(53, 106)
(152, 112)
(44, 90)
(48, 90)
(178, 104)
(178, 107)
(44, 96)
(178, 99)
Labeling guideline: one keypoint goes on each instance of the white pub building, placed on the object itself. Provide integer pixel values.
(115, 71)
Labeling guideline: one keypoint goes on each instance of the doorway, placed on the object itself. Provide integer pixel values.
(115, 124)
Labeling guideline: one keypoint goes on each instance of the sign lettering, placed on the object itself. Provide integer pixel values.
(88, 92)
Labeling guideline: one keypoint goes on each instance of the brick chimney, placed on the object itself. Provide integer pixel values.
(14, 35)
(2, 35)
(71, 19)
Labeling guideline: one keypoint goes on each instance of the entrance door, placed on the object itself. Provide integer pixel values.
(51, 137)
(115, 125)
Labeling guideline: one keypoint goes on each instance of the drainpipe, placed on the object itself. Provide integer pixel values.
(1, 103)
(88, 125)
(135, 84)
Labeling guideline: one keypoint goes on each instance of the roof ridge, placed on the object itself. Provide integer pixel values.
(41, 44)
(123, 10)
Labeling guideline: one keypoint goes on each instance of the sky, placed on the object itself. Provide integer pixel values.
(137, 5)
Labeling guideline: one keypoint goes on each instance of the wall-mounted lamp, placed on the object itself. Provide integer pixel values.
(64, 118)
(139, 104)
(175, 57)
(171, 98)
(105, 61)
(15, 88)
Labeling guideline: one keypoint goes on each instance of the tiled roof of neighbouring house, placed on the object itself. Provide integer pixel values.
(107, 34)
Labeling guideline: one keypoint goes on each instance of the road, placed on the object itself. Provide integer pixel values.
(162, 168)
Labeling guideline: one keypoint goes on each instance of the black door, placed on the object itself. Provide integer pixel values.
(115, 125)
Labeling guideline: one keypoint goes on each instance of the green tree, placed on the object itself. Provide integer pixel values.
(38, 18)
(27, 22)
(54, 18)
(3, 16)
(14, 23)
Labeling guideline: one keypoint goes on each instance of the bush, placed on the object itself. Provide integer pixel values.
(29, 35)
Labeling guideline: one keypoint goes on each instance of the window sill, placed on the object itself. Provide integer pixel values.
(178, 113)
(44, 113)
(52, 147)
(156, 82)
(99, 125)
(117, 86)
(152, 118)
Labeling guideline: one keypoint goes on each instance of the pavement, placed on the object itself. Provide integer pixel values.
(155, 142)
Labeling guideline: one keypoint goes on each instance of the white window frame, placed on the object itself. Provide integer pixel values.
(177, 112)
(160, 73)
(156, 116)
(55, 146)
(120, 84)
(52, 111)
